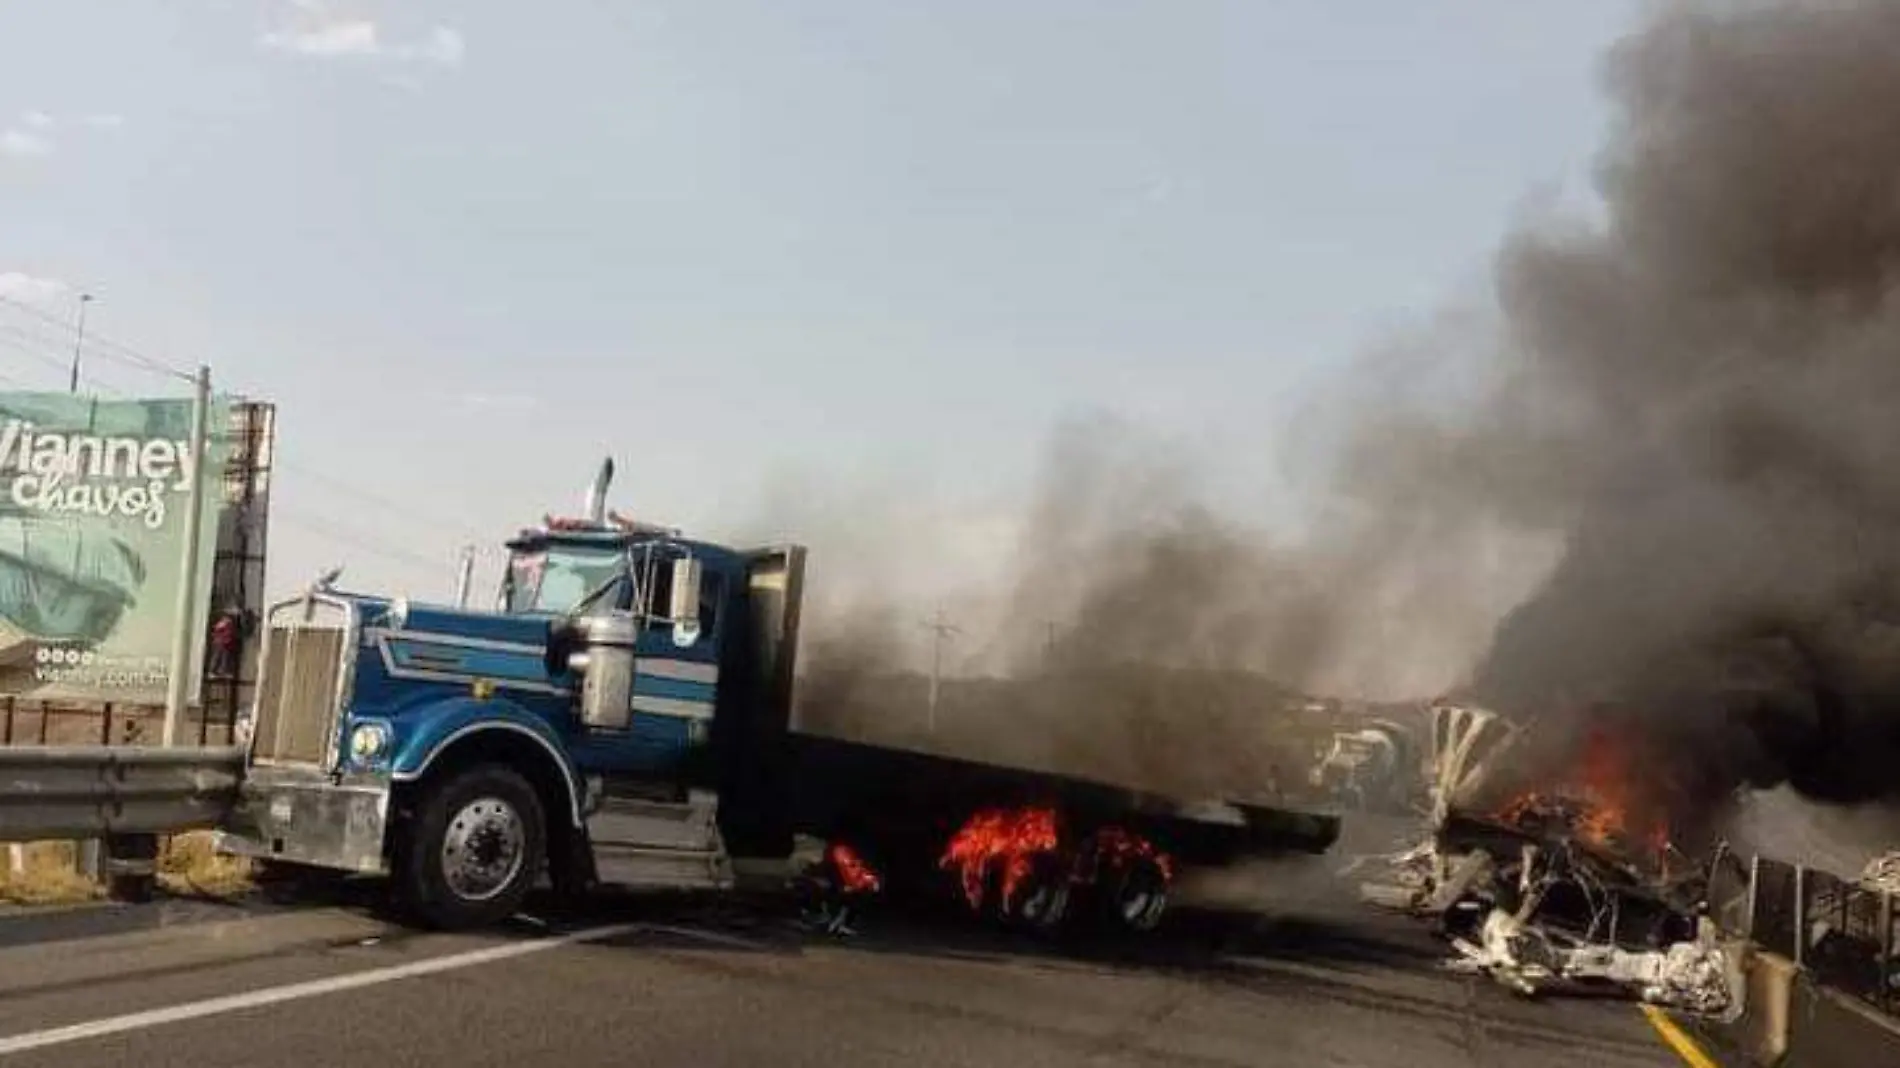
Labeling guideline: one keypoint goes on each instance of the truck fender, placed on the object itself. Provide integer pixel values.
(454, 721)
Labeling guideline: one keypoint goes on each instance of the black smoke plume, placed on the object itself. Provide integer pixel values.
(1693, 404)
(1708, 384)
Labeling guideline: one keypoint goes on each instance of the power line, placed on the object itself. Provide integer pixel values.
(131, 357)
(43, 349)
(116, 351)
(38, 354)
(27, 335)
(35, 344)
(102, 346)
(92, 381)
(355, 539)
(98, 344)
(462, 530)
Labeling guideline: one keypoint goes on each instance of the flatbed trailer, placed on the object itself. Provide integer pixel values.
(902, 810)
(901, 801)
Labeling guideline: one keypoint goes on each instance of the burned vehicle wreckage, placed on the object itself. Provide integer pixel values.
(1573, 886)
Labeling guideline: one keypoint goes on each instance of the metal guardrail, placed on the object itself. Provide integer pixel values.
(1846, 936)
(1849, 940)
(52, 792)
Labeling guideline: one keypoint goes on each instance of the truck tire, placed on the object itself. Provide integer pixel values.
(472, 850)
(1043, 907)
(1041, 903)
(1135, 898)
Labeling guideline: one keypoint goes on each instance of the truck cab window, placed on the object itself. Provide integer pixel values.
(656, 589)
(555, 580)
(657, 597)
(522, 583)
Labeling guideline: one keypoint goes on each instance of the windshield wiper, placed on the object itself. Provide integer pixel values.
(591, 595)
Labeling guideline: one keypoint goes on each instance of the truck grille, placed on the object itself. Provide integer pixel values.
(298, 685)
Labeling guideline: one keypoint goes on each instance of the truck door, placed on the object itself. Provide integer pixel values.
(775, 588)
(755, 702)
(676, 671)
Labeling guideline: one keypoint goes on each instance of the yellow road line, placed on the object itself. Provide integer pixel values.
(1677, 1039)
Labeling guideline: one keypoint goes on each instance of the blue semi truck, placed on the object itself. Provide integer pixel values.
(623, 716)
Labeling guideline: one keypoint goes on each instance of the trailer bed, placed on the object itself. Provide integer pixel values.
(902, 806)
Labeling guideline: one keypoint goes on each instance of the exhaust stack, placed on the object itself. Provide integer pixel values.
(595, 507)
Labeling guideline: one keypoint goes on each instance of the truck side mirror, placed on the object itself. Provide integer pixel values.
(683, 608)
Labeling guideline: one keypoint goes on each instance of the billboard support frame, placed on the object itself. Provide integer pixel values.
(178, 684)
(237, 582)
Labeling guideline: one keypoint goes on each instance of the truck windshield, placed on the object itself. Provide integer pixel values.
(554, 580)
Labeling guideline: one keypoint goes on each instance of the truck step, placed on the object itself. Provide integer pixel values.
(659, 868)
(639, 823)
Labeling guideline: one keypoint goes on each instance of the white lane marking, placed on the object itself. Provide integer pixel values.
(192, 1010)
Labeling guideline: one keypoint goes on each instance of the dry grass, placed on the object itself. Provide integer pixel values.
(46, 876)
(186, 865)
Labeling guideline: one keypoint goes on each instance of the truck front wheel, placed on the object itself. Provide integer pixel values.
(472, 850)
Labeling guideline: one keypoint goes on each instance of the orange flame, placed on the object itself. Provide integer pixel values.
(854, 875)
(1013, 839)
(1120, 847)
(1599, 802)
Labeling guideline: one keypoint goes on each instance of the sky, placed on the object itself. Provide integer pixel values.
(800, 268)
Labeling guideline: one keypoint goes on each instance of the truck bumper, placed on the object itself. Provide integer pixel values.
(306, 818)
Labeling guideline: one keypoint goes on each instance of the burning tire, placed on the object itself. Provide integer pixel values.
(1041, 900)
(1135, 897)
(1016, 862)
(472, 850)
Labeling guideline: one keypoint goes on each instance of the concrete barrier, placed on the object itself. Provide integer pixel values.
(1790, 1019)
(1762, 1031)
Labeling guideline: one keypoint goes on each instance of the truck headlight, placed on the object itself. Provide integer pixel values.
(368, 741)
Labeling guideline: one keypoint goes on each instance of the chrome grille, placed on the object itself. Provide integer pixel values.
(298, 688)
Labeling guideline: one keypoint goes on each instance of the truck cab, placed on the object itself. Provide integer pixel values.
(614, 719)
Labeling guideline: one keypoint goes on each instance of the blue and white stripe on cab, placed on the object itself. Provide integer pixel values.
(666, 686)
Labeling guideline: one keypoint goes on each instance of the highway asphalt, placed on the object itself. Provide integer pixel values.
(1310, 980)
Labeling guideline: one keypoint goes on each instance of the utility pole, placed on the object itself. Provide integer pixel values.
(186, 625)
(941, 631)
(465, 576)
(79, 341)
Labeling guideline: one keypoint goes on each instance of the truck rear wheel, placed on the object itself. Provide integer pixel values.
(473, 849)
(1041, 901)
(1136, 898)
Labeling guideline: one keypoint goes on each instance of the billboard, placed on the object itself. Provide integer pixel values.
(93, 496)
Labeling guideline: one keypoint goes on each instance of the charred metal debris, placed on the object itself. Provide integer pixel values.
(1558, 892)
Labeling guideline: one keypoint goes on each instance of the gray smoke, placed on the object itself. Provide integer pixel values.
(1143, 634)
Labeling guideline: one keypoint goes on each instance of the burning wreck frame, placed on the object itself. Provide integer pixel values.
(1549, 910)
(1545, 891)
(1563, 887)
